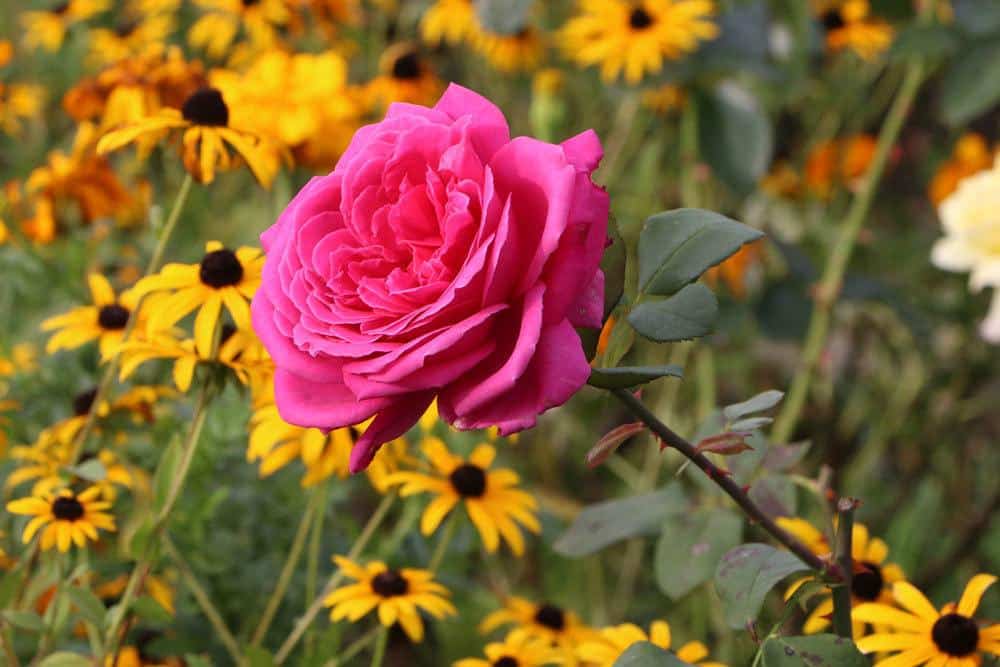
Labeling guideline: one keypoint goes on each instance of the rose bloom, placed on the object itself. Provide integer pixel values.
(971, 220)
(440, 258)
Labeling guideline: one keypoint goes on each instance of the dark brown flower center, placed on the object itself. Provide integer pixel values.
(867, 584)
(60, 8)
(506, 661)
(640, 19)
(250, 3)
(956, 635)
(468, 480)
(67, 508)
(407, 66)
(206, 107)
(551, 616)
(832, 20)
(220, 268)
(113, 317)
(390, 584)
(125, 28)
(83, 401)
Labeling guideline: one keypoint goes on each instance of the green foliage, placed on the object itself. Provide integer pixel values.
(646, 654)
(87, 604)
(811, 651)
(690, 313)
(65, 659)
(690, 546)
(971, 86)
(630, 376)
(747, 574)
(735, 135)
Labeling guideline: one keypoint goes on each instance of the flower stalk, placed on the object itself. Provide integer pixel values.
(843, 556)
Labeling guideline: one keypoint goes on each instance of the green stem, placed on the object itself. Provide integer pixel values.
(155, 260)
(8, 649)
(442, 546)
(201, 596)
(305, 523)
(312, 557)
(381, 642)
(842, 592)
(689, 153)
(354, 647)
(836, 264)
(359, 544)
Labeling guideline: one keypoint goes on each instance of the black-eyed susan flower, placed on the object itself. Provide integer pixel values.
(47, 28)
(664, 99)
(276, 443)
(450, 21)
(919, 634)
(206, 139)
(397, 595)
(404, 76)
(873, 575)
(608, 644)
(157, 586)
(560, 627)
(518, 649)
(849, 26)
(45, 463)
(223, 277)
(519, 51)
(19, 102)
(635, 38)
(496, 507)
(217, 28)
(104, 321)
(971, 155)
(64, 518)
(136, 27)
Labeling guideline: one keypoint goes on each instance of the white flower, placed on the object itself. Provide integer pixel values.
(971, 220)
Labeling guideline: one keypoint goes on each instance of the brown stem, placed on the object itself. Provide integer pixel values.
(842, 593)
(726, 483)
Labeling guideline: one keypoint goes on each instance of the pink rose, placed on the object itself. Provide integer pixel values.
(440, 258)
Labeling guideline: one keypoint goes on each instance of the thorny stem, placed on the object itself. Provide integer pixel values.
(155, 260)
(305, 523)
(842, 593)
(726, 483)
(359, 544)
(836, 265)
(204, 601)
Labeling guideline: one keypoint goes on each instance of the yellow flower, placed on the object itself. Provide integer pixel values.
(223, 277)
(22, 357)
(216, 30)
(873, 576)
(396, 594)
(735, 270)
(6, 52)
(157, 587)
(494, 504)
(635, 38)
(971, 155)
(450, 21)
(561, 628)
(850, 27)
(664, 99)
(518, 649)
(67, 517)
(520, 51)
(104, 321)
(134, 31)
(19, 101)
(610, 643)
(922, 635)
(276, 443)
(971, 220)
(204, 119)
(404, 77)
(47, 28)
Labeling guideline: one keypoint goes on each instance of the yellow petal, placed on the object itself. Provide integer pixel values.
(909, 597)
(973, 593)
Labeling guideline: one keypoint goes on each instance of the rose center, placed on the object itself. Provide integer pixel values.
(506, 661)
(867, 585)
(640, 19)
(220, 268)
(832, 20)
(206, 107)
(468, 480)
(406, 67)
(82, 402)
(551, 616)
(390, 584)
(113, 317)
(67, 508)
(955, 634)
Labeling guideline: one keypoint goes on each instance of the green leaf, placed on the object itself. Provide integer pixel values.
(675, 247)
(812, 651)
(193, 660)
(258, 657)
(25, 620)
(645, 654)
(603, 524)
(166, 470)
(735, 136)
(979, 17)
(690, 547)
(783, 457)
(775, 495)
(149, 609)
(10, 584)
(688, 314)
(745, 576)
(924, 41)
(139, 543)
(972, 85)
(91, 470)
(89, 605)
(65, 659)
(504, 17)
(630, 376)
(762, 401)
